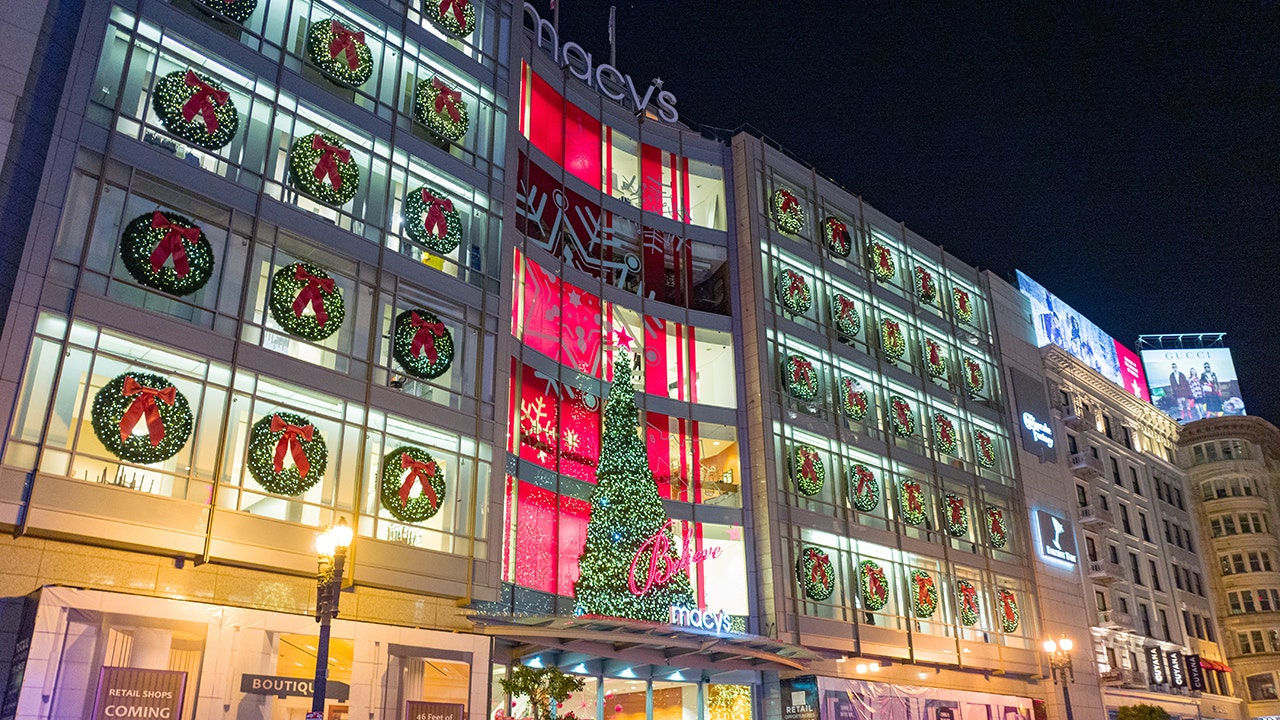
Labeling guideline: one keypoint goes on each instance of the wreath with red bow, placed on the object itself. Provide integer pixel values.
(985, 448)
(836, 234)
(306, 302)
(944, 434)
(287, 454)
(196, 108)
(962, 304)
(807, 470)
(853, 399)
(321, 166)
(924, 595)
(801, 377)
(455, 17)
(901, 416)
(934, 359)
(875, 586)
(957, 516)
(967, 597)
(997, 531)
(340, 52)
(1009, 615)
(793, 292)
(864, 488)
(973, 379)
(168, 252)
(911, 502)
(422, 344)
(816, 574)
(431, 220)
(439, 106)
(926, 286)
(787, 212)
(881, 259)
(844, 312)
(892, 341)
(141, 418)
(412, 484)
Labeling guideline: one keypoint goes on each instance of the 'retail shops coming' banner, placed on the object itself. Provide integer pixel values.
(859, 700)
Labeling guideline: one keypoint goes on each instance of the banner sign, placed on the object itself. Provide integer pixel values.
(1177, 677)
(859, 700)
(1195, 673)
(421, 710)
(283, 687)
(136, 693)
(1155, 666)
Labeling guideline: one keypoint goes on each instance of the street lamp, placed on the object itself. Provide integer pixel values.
(331, 548)
(1060, 660)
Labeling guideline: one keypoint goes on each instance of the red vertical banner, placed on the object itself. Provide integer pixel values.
(536, 552)
(508, 526)
(524, 98)
(579, 433)
(655, 356)
(658, 442)
(683, 214)
(695, 445)
(574, 514)
(540, 310)
(607, 185)
(681, 490)
(546, 118)
(651, 179)
(538, 418)
(580, 330)
(582, 145)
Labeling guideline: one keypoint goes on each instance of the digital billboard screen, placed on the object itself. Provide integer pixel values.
(1057, 323)
(1190, 384)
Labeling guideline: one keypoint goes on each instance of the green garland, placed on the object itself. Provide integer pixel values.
(934, 359)
(404, 470)
(892, 341)
(306, 302)
(836, 234)
(787, 212)
(963, 305)
(926, 287)
(321, 166)
(801, 377)
(807, 470)
(1009, 615)
(853, 399)
(340, 52)
(815, 574)
(455, 17)
(997, 531)
(911, 501)
(168, 252)
(422, 344)
(237, 10)
(793, 292)
(924, 600)
(944, 434)
(844, 312)
(967, 598)
(864, 488)
(278, 438)
(431, 220)
(439, 107)
(902, 417)
(973, 379)
(875, 586)
(957, 515)
(985, 447)
(880, 257)
(196, 108)
(141, 397)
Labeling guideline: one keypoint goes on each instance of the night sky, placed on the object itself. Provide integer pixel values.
(1126, 157)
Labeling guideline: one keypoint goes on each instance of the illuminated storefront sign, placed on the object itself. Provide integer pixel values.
(652, 556)
(1056, 540)
(1040, 432)
(1032, 402)
(716, 621)
(605, 78)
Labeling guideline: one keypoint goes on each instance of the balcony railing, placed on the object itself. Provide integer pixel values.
(1091, 515)
(1101, 571)
(1115, 619)
(1085, 466)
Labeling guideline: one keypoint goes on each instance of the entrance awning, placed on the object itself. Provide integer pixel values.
(647, 643)
(1214, 665)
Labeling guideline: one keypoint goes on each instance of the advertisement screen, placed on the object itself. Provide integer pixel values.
(1190, 384)
(1057, 323)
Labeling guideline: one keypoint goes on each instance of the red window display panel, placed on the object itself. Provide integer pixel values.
(673, 455)
(668, 266)
(539, 312)
(582, 145)
(559, 425)
(546, 118)
(651, 186)
(549, 534)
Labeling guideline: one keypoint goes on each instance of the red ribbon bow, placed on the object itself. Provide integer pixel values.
(424, 336)
(345, 40)
(1006, 604)
(840, 232)
(901, 409)
(202, 102)
(312, 294)
(883, 258)
(864, 477)
(845, 306)
(171, 244)
(853, 397)
(800, 372)
(144, 405)
(795, 284)
(420, 473)
(327, 165)
(458, 7)
(447, 99)
(914, 502)
(969, 596)
(924, 584)
(962, 299)
(817, 568)
(957, 509)
(806, 464)
(435, 220)
(789, 202)
(289, 443)
(934, 350)
(875, 581)
(997, 522)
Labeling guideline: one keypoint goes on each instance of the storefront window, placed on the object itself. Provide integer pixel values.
(728, 702)
(706, 195)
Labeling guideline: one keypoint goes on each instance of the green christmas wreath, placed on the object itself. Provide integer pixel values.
(321, 166)
(237, 10)
(926, 287)
(430, 219)
(793, 292)
(422, 344)
(439, 107)
(924, 595)
(455, 17)
(985, 448)
(1009, 615)
(152, 400)
(944, 434)
(957, 516)
(340, 52)
(962, 305)
(182, 96)
(405, 469)
(807, 470)
(967, 596)
(864, 488)
(875, 586)
(836, 234)
(901, 416)
(934, 358)
(881, 259)
(787, 212)
(168, 252)
(801, 377)
(306, 302)
(973, 379)
(853, 399)
(285, 436)
(892, 341)
(911, 502)
(997, 531)
(844, 312)
(816, 574)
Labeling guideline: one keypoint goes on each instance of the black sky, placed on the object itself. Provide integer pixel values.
(1126, 156)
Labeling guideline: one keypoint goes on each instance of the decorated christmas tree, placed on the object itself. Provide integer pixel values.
(630, 566)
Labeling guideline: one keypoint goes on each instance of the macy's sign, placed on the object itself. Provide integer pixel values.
(652, 560)
(605, 78)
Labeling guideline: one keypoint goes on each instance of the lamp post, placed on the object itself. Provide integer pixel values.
(1060, 660)
(331, 549)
